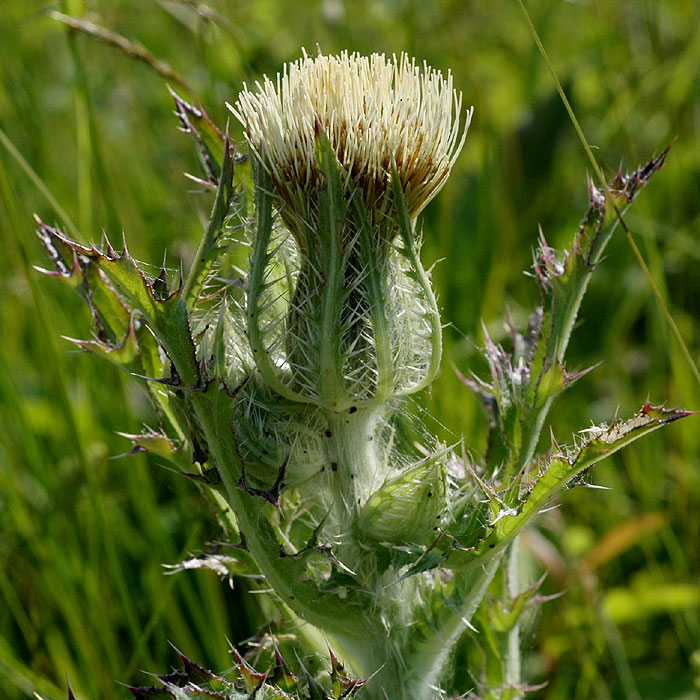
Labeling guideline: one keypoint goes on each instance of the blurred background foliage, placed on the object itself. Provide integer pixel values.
(83, 537)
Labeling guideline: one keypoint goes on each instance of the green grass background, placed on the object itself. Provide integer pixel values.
(83, 537)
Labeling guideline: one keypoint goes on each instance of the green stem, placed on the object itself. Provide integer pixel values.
(356, 631)
(40, 185)
(353, 453)
(285, 572)
(431, 654)
(512, 585)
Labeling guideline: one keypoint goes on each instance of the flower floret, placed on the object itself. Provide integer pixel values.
(378, 112)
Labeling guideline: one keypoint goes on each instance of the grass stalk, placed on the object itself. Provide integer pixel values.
(604, 184)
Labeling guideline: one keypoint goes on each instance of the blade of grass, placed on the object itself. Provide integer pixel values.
(604, 183)
(22, 678)
(40, 185)
(58, 376)
(90, 154)
(60, 379)
(132, 49)
(48, 336)
(163, 605)
(83, 134)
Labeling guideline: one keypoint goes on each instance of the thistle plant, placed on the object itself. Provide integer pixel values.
(279, 368)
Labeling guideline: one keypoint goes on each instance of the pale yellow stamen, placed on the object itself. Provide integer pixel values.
(377, 112)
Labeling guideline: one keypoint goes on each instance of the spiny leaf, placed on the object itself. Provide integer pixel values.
(111, 315)
(503, 615)
(164, 311)
(158, 443)
(273, 494)
(123, 354)
(343, 685)
(281, 674)
(208, 250)
(194, 672)
(564, 469)
(566, 278)
(63, 256)
(195, 121)
(250, 676)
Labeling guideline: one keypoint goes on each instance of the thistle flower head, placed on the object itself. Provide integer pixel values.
(378, 113)
(347, 151)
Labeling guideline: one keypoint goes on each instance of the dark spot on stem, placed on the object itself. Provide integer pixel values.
(329, 433)
(334, 466)
(352, 409)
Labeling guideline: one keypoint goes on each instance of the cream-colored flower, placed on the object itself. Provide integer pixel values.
(377, 112)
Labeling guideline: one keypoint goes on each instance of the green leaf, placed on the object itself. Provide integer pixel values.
(112, 317)
(208, 251)
(195, 121)
(565, 468)
(331, 212)
(257, 284)
(159, 444)
(125, 353)
(566, 279)
(163, 310)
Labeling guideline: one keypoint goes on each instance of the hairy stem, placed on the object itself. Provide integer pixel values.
(512, 585)
(430, 657)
